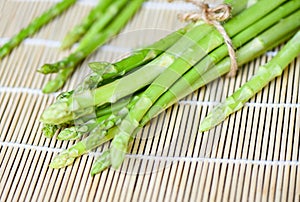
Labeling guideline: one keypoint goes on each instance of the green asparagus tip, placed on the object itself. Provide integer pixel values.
(66, 44)
(47, 69)
(205, 126)
(216, 116)
(68, 134)
(4, 51)
(102, 67)
(49, 130)
(97, 66)
(62, 160)
(58, 113)
(52, 86)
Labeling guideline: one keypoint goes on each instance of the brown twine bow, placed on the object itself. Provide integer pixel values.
(214, 16)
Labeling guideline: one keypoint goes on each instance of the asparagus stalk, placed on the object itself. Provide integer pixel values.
(35, 25)
(104, 118)
(104, 72)
(67, 65)
(79, 30)
(175, 71)
(257, 46)
(265, 74)
(142, 56)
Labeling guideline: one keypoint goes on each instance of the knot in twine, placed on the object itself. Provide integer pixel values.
(214, 16)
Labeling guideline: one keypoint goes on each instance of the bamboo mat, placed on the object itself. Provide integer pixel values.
(253, 156)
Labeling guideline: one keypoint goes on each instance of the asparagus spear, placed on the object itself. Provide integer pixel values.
(201, 73)
(142, 56)
(175, 71)
(265, 74)
(86, 47)
(79, 30)
(104, 72)
(35, 25)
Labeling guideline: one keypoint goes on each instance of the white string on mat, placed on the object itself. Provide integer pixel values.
(28, 146)
(4, 89)
(248, 104)
(146, 5)
(163, 158)
(57, 44)
(23, 90)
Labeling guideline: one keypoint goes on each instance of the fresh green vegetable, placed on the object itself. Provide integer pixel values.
(80, 30)
(265, 74)
(175, 71)
(196, 58)
(35, 25)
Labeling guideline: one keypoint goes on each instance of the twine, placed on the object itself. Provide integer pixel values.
(214, 16)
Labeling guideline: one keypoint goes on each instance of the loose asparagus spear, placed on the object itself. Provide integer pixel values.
(89, 46)
(85, 42)
(35, 25)
(175, 71)
(200, 75)
(79, 30)
(265, 74)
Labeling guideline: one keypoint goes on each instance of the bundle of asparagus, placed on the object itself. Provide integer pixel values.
(118, 99)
